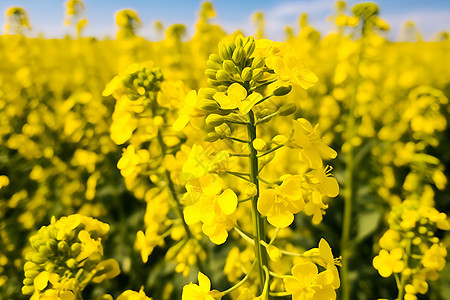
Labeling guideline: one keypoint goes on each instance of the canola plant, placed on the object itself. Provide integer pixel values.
(224, 166)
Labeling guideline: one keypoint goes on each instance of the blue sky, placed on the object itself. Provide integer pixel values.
(47, 15)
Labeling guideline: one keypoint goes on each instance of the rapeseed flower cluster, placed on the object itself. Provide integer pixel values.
(214, 159)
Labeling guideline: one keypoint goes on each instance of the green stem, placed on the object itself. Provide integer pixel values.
(238, 175)
(261, 85)
(280, 294)
(257, 219)
(240, 140)
(346, 248)
(237, 285)
(270, 151)
(176, 201)
(401, 286)
(266, 182)
(261, 101)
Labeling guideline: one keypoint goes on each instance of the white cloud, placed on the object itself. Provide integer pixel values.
(428, 22)
(288, 13)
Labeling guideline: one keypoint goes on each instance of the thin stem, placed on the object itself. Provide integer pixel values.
(270, 151)
(245, 200)
(239, 154)
(280, 294)
(400, 286)
(274, 236)
(263, 119)
(273, 274)
(238, 175)
(349, 185)
(257, 219)
(239, 140)
(261, 101)
(229, 120)
(264, 84)
(237, 285)
(244, 236)
(266, 182)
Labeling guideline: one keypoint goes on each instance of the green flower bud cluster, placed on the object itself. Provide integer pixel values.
(70, 251)
(417, 223)
(142, 81)
(235, 63)
(369, 12)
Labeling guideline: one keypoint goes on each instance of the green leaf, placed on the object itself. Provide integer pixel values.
(367, 224)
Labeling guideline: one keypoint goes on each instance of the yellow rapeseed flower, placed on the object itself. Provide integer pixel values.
(281, 203)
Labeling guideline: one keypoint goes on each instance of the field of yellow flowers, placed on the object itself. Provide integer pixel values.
(224, 166)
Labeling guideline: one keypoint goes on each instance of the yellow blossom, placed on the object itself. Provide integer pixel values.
(434, 257)
(290, 69)
(307, 283)
(200, 291)
(236, 97)
(312, 147)
(280, 204)
(389, 262)
(188, 112)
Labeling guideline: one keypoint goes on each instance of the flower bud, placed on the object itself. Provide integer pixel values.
(28, 289)
(75, 249)
(71, 263)
(238, 54)
(63, 247)
(258, 74)
(214, 120)
(247, 74)
(213, 65)
(282, 90)
(44, 250)
(53, 245)
(206, 93)
(258, 62)
(287, 109)
(274, 253)
(223, 130)
(222, 75)
(259, 144)
(211, 137)
(229, 66)
(250, 190)
(223, 51)
(215, 58)
(239, 41)
(230, 49)
(210, 73)
(38, 258)
(250, 46)
(208, 105)
(213, 82)
(31, 274)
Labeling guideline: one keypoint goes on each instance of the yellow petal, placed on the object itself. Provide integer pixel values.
(227, 202)
(180, 123)
(237, 92)
(41, 280)
(325, 252)
(246, 105)
(281, 218)
(330, 186)
(191, 215)
(266, 201)
(326, 151)
(204, 282)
